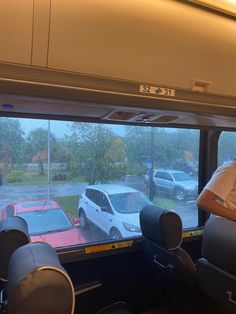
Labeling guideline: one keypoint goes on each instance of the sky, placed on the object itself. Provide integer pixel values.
(59, 128)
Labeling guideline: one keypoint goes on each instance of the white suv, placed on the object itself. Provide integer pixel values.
(113, 208)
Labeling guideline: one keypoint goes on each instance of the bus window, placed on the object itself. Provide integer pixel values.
(77, 182)
(226, 147)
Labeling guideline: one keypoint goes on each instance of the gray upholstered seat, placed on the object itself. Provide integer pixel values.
(115, 308)
(37, 283)
(162, 237)
(216, 270)
(13, 234)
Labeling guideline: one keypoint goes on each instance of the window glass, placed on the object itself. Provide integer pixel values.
(89, 194)
(96, 198)
(9, 211)
(131, 202)
(56, 175)
(46, 221)
(167, 176)
(99, 198)
(181, 176)
(226, 147)
(158, 175)
(104, 202)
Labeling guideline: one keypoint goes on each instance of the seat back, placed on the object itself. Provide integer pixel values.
(37, 283)
(162, 237)
(216, 270)
(13, 234)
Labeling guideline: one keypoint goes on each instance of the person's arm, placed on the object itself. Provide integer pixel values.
(207, 201)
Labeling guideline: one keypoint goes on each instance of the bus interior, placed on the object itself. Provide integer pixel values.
(113, 117)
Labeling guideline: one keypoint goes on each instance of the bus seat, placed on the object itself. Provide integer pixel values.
(13, 234)
(162, 237)
(115, 308)
(216, 270)
(37, 283)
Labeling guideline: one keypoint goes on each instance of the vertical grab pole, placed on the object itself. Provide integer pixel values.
(151, 185)
(49, 159)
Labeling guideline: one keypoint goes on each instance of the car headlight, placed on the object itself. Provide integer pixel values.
(131, 227)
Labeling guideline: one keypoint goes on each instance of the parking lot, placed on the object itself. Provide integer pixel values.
(8, 194)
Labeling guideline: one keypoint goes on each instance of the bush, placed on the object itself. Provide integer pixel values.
(20, 167)
(136, 169)
(59, 177)
(15, 176)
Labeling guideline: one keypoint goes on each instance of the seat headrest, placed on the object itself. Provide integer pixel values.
(161, 226)
(219, 243)
(13, 234)
(37, 282)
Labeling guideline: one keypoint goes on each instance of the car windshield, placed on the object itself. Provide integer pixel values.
(129, 203)
(45, 221)
(181, 176)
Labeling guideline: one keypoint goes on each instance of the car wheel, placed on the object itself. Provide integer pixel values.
(115, 234)
(180, 195)
(83, 220)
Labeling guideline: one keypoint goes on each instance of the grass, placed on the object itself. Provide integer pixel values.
(69, 203)
(164, 203)
(32, 177)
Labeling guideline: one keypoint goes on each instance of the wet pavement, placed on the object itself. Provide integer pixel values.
(8, 194)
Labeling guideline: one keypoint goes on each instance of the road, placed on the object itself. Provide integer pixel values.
(11, 193)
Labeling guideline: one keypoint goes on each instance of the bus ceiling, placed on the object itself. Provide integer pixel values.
(161, 62)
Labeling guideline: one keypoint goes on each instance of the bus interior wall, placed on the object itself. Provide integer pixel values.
(123, 276)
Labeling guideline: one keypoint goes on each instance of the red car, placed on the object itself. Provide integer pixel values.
(47, 222)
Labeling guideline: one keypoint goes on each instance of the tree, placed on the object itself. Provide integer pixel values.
(100, 152)
(11, 141)
(37, 147)
(137, 148)
(72, 153)
(164, 148)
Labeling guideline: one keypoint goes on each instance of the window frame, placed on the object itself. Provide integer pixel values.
(80, 248)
